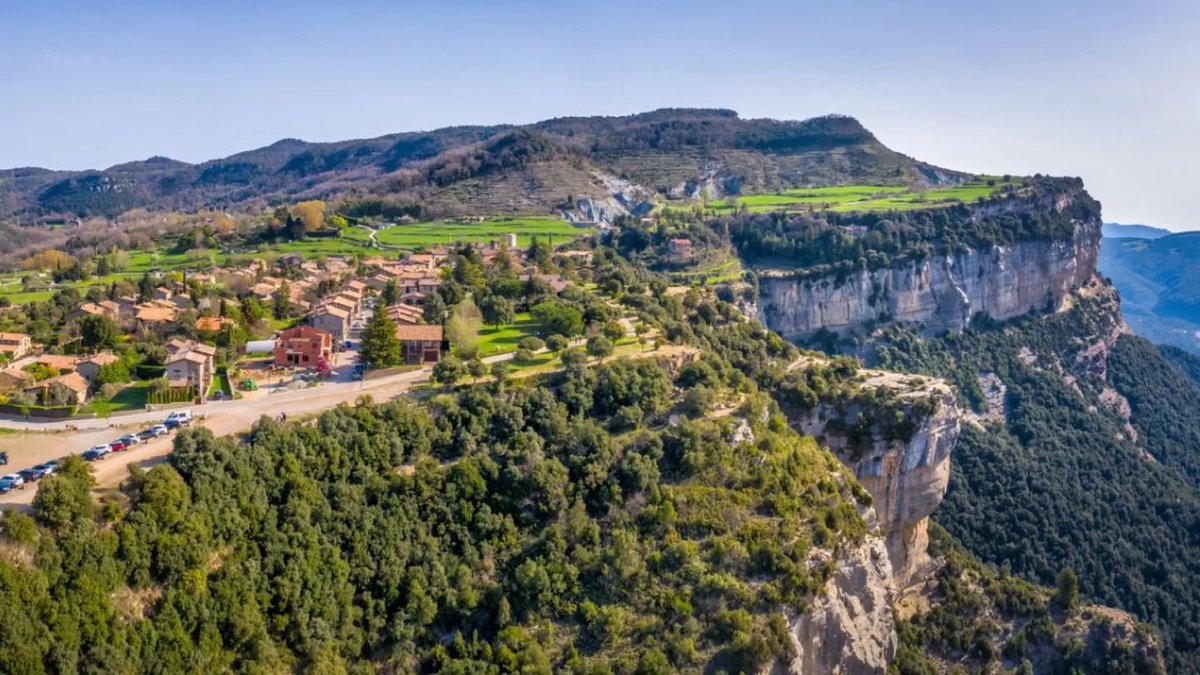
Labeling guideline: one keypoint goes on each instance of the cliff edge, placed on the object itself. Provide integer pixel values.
(941, 293)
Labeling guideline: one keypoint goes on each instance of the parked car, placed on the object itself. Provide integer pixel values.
(130, 440)
(172, 424)
(104, 449)
(147, 434)
(11, 482)
(160, 430)
(92, 455)
(52, 465)
(118, 445)
(184, 417)
(36, 473)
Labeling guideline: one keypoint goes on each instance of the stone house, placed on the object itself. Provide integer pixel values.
(303, 347)
(420, 345)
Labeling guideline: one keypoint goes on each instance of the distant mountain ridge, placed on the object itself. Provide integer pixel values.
(1159, 282)
(583, 167)
(1119, 231)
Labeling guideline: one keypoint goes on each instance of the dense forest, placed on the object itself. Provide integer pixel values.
(1060, 483)
(980, 616)
(599, 520)
(647, 516)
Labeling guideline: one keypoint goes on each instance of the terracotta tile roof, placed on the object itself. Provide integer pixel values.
(212, 324)
(192, 356)
(73, 381)
(101, 359)
(58, 362)
(207, 350)
(12, 337)
(156, 314)
(422, 333)
(406, 314)
(176, 344)
(91, 308)
(16, 373)
(332, 310)
(303, 332)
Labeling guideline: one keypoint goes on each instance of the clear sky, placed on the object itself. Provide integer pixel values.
(1106, 90)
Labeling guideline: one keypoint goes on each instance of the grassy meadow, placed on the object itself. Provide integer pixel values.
(857, 198)
(422, 235)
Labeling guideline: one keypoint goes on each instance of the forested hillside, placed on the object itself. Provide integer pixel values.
(1062, 481)
(645, 516)
(1158, 281)
(536, 168)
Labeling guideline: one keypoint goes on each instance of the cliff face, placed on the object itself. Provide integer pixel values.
(905, 466)
(849, 627)
(938, 294)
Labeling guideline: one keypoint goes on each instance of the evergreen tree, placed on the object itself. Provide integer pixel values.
(380, 346)
(281, 301)
(390, 294)
(145, 287)
(98, 331)
(435, 309)
(1066, 594)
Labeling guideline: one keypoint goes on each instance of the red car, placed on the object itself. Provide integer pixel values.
(118, 445)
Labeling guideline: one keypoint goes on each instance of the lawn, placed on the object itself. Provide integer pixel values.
(356, 233)
(221, 384)
(284, 324)
(423, 235)
(854, 198)
(504, 339)
(132, 397)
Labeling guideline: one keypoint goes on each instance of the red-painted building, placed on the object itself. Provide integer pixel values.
(303, 347)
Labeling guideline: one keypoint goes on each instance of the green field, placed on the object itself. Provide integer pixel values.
(132, 397)
(504, 339)
(722, 273)
(852, 198)
(356, 233)
(422, 235)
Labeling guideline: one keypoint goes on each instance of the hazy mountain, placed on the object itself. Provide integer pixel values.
(1159, 282)
(1119, 231)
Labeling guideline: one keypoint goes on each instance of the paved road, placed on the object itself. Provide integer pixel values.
(50, 440)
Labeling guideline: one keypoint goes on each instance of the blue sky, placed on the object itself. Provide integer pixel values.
(1109, 91)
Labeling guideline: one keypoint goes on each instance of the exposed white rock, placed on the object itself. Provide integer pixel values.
(849, 627)
(936, 295)
(906, 478)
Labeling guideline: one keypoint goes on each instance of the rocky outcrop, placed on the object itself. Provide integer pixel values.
(900, 452)
(849, 627)
(896, 433)
(938, 294)
(620, 198)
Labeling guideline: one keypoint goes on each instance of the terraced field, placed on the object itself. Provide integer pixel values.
(852, 198)
(421, 235)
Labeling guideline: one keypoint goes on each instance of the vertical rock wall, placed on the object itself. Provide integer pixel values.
(937, 295)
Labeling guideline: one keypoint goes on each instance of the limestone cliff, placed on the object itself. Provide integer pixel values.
(937, 294)
(849, 627)
(896, 433)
